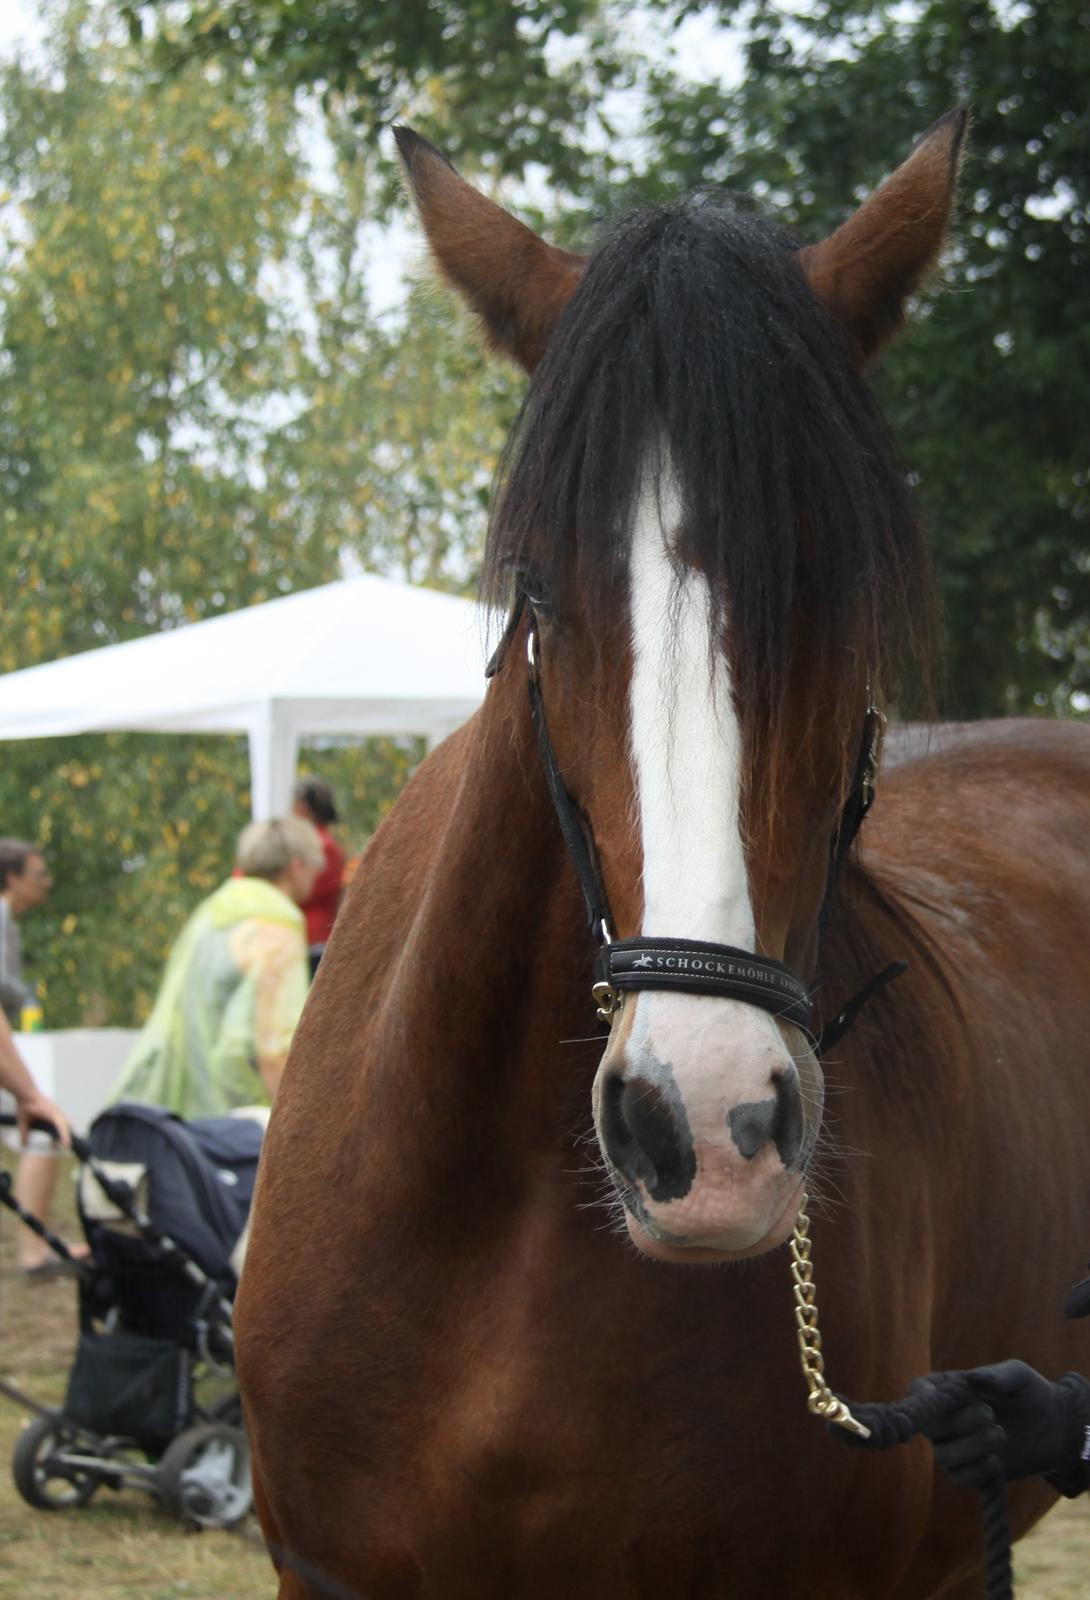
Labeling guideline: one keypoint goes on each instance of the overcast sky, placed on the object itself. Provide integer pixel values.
(19, 22)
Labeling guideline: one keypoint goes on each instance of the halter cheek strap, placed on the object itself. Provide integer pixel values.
(690, 965)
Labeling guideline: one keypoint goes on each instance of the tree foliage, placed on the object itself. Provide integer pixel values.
(391, 453)
(498, 79)
(193, 403)
(138, 350)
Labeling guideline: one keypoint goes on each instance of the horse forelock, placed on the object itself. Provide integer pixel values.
(694, 354)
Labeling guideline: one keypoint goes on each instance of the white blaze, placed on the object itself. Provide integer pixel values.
(686, 745)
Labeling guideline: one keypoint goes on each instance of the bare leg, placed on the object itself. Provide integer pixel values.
(35, 1186)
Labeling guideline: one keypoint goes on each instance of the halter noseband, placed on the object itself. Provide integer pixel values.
(689, 965)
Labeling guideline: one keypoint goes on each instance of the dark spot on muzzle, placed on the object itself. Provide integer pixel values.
(778, 1119)
(645, 1135)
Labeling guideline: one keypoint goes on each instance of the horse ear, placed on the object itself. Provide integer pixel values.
(864, 272)
(516, 283)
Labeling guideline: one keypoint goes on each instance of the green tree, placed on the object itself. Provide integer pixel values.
(138, 351)
(390, 455)
(512, 82)
(163, 378)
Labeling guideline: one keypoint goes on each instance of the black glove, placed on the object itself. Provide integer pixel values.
(1021, 1426)
(1078, 1300)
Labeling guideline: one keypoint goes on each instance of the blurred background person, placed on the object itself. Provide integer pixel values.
(35, 1257)
(234, 984)
(314, 801)
(25, 882)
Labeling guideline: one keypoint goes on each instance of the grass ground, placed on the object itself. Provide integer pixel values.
(123, 1547)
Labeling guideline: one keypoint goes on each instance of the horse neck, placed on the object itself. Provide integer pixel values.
(479, 961)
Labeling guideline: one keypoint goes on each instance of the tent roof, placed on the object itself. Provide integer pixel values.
(366, 656)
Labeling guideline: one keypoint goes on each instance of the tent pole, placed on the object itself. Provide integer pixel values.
(273, 752)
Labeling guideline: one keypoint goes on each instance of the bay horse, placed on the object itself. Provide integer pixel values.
(514, 1323)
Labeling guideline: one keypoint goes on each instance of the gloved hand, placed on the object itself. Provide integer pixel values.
(1078, 1300)
(1021, 1426)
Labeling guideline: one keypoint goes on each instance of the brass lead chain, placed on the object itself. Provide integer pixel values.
(820, 1399)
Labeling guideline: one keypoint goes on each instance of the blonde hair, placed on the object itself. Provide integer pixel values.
(267, 849)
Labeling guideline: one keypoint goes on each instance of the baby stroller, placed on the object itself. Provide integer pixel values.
(151, 1402)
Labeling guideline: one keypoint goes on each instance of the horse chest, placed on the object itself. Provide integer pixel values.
(580, 1429)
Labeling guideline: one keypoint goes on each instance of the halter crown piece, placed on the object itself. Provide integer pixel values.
(691, 965)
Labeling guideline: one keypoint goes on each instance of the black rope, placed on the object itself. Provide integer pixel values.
(901, 1420)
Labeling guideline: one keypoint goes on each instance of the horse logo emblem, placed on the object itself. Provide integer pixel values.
(644, 961)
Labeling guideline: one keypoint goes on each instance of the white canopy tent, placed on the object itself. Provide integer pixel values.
(363, 656)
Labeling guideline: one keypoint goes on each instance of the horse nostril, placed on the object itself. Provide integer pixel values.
(787, 1124)
(777, 1120)
(646, 1137)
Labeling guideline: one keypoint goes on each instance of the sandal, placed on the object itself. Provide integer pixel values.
(54, 1267)
(47, 1269)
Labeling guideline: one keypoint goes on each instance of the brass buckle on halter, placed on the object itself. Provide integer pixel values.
(609, 1001)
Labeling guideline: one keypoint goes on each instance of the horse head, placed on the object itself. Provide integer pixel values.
(718, 568)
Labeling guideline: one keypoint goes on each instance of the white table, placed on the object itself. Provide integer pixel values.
(76, 1067)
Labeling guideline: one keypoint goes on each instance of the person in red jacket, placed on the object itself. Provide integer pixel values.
(314, 800)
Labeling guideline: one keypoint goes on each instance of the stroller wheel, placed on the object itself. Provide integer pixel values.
(40, 1470)
(203, 1476)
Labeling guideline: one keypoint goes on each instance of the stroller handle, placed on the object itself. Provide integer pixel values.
(79, 1146)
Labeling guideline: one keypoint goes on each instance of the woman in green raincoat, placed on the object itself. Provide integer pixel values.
(234, 985)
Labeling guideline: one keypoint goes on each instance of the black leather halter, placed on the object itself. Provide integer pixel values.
(690, 965)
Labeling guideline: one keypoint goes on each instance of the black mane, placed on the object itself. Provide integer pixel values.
(694, 326)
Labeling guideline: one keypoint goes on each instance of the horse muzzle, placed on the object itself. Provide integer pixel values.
(706, 1124)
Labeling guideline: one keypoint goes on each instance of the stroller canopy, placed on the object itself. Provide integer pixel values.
(195, 1180)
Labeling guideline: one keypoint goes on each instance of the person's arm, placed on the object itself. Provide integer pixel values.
(1019, 1426)
(271, 1070)
(280, 978)
(30, 1103)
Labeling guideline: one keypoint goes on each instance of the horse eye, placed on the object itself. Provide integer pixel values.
(537, 595)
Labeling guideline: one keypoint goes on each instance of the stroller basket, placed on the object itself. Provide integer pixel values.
(132, 1387)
